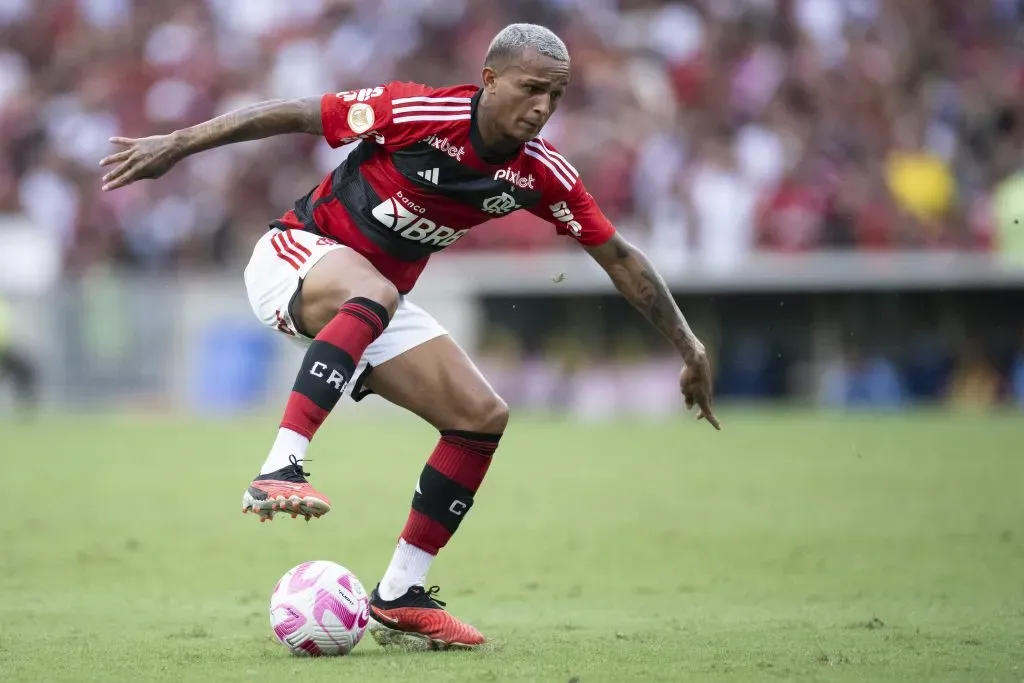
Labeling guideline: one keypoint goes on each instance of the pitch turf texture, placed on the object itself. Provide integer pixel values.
(791, 547)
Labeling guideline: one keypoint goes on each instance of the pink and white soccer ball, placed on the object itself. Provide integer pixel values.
(319, 609)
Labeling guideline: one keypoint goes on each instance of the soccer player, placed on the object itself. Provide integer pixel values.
(335, 270)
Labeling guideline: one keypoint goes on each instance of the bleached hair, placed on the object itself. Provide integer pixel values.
(514, 39)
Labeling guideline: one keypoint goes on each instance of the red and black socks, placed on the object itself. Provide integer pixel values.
(326, 368)
(444, 495)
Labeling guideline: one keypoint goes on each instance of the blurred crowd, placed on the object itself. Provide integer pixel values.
(634, 379)
(716, 127)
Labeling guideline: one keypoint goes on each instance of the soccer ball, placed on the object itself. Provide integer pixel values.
(319, 609)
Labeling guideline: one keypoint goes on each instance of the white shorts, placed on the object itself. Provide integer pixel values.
(273, 280)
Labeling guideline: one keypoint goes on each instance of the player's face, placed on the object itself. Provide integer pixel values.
(526, 93)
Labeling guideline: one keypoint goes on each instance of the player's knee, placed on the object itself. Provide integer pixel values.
(338, 277)
(376, 289)
(489, 415)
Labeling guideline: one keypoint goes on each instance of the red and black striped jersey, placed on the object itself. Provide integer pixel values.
(420, 179)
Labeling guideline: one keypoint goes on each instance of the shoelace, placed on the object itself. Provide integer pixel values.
(429, 594)
(432, 593)
(295, 463)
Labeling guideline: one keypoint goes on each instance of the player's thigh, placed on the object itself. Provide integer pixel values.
(437, 381)
(273, 276)
(340, 275)
(296, 281)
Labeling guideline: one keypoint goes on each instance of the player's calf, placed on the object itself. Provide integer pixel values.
(438, 382)
(443, 497)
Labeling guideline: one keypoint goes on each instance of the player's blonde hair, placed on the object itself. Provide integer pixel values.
(512, 40)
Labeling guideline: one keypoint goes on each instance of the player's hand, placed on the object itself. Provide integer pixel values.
(695, 383)
(140, 159)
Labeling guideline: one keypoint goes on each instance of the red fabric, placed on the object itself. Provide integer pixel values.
(353, 329)
(462, 459)
(303, 416)
(425, 533)
(400, 114)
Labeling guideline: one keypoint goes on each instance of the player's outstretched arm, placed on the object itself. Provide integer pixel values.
(153, 156)
(639, 281)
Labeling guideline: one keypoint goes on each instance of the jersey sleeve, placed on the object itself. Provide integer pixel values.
(378, 114)
(566, 203)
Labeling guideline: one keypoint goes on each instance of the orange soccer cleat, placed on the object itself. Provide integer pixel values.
(285, 490)
(418, 618)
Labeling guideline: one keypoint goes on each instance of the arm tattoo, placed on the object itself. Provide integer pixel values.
(257, 121)
(638, 280)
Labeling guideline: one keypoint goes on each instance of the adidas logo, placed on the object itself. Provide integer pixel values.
(430, 175)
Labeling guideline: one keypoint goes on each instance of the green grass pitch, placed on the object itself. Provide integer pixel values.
(791, 547)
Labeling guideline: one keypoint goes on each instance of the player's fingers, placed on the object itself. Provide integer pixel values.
(122, 141)
(119, 181)
(133, 166)
(118, 173)
(705, 413)
(115, 158)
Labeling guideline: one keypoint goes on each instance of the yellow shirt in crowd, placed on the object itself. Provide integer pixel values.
(921, 183)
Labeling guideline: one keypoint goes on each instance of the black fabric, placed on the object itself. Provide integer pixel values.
(416, 596)
(292, 472)
(383, 317)
(359, 389)
(325, 371)
(472, 436)
(441, 499)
